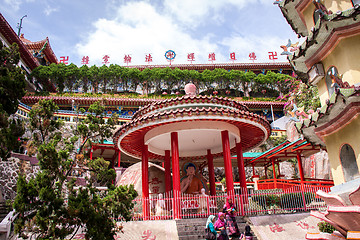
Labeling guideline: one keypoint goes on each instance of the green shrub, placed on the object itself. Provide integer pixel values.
(267, 200)
(325, 227)
(295, 200)
(283, 200)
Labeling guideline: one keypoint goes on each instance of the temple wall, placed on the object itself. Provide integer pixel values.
(345, 58)
(9, 173)
(308, 17)
(334, 143)
(332, 5)
(337, 5)
(317, 166)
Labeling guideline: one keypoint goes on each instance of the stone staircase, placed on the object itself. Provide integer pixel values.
(194, 228)
(4, 210)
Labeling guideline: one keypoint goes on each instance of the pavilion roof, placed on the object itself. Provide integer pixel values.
(136, 102)
(198, 110)
(283, 152)
(43, 45)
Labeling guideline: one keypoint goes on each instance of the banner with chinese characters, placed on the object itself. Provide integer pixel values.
(169, 56)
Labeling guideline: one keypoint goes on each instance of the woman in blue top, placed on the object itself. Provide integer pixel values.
(210, 227)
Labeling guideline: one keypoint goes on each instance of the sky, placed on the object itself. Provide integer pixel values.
(94, 28)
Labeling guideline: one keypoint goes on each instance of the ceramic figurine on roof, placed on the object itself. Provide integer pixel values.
(287, 47)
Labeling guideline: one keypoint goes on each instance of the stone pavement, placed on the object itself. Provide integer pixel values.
(284, 226)
(268, 227)
(151, 230)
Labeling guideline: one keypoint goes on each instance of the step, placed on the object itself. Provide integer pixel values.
(194, 228)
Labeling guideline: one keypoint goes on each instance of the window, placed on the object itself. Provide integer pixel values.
(348, 162)
(332, 71)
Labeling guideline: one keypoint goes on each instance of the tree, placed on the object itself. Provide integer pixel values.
(12, 79)
(57, 75)
(134, 75)
(104, 75)
(84, 75)
(94, 78)
(71, 76)
(49, 205)
(12, 88)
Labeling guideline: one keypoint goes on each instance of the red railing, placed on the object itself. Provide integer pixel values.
(294, 184)
(248, 202)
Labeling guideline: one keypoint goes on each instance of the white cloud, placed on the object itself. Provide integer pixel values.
(48, 10)
(138, 30)
(15, 4)
(193, 13)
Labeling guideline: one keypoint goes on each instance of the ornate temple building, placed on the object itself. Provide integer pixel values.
(328, 59)
(32, 54)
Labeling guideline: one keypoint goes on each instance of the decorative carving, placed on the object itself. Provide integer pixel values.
(289, 45)
(320, 6)
(337, 82)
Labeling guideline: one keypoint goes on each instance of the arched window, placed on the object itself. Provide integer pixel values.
(329, 84)
(348, 162)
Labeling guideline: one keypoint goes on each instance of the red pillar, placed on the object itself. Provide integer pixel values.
(274, 172)
(145, 182)
(211, 173)
(301, 171)
(167, 171)
(253, 167)
(91, 152)
(176, 173)
(227, 162)
(119, 158)
(241, 167)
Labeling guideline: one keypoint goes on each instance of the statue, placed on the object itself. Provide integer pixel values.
(337, 82)
(191, 184)
(203, 201)
(160, 208)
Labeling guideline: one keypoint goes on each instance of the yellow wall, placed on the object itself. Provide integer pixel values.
(334, 143)
(345, 57)
(333, 5)
(308, 16)
(337, 5)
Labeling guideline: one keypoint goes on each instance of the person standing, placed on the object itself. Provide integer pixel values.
(231, 225)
